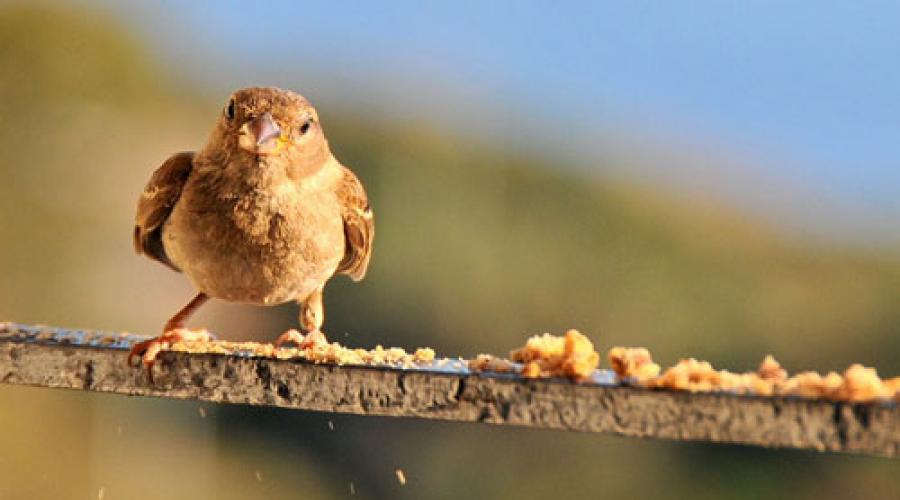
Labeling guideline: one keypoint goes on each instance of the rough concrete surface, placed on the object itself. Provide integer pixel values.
(96, 361)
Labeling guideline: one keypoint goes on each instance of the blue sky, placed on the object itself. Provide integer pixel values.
(801, 93)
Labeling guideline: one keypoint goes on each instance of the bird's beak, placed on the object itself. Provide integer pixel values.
(260, 135)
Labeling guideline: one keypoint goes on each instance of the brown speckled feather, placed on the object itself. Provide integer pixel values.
(156, 203)
(359, 227)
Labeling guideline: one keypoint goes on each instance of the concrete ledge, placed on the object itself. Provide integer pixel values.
(96, 361)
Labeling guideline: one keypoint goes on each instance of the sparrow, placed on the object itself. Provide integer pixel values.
(264, 214)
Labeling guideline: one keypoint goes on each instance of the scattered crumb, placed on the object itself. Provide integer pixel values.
(770, 369)
(424, 355)
(488, 363)
(400, 476)
(811, 385)
(352, 488)
(101, 493)
(633, 362)
(700, 376)
(688, 375)
(539, 347)
(573, 356)
(320, 353)
(119, 430)
(862, 384)
(546, 355)
(857, 384)
(258, 475)
(330, 425)
(202, 411)
(893, 385)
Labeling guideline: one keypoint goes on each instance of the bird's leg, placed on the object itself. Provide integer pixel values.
(312, 315)
(173, 332)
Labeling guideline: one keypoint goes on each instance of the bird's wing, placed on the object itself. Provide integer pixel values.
(155, 205)
(359, 227)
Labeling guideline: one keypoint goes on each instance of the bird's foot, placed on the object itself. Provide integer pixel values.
(308, 341)
(148, 350)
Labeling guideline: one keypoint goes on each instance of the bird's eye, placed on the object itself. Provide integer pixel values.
(229, 110)
(305, 127)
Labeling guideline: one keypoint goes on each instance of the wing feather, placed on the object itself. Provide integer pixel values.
(359, 227)
(156, 203)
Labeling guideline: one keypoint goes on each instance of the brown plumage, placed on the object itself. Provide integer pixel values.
(263, 214)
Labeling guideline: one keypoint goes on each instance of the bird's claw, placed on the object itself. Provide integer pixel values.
(303, 342)
(149, 349)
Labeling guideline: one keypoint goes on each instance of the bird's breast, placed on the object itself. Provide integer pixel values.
(262, 246)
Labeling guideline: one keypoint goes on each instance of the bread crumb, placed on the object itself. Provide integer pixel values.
(770, 369)
(424, 355)
(893, 386)
(688, 375)
(333, 353)
(862, 384)
(857, 384)
(489, 363)
(547, 355)
(633, 362)
(401, 477)
(805, 384)
(573, 356)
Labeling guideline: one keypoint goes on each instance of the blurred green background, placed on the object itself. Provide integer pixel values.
(483, 239)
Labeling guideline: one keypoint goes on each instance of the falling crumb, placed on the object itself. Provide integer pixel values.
(202, 411)
(352, 488)
(101, 493)
(400, 476)
(330, 425)
(258, 475)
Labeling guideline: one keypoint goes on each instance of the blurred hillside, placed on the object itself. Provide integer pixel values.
(477, 248)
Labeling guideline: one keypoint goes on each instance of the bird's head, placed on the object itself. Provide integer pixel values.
(271, 126)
